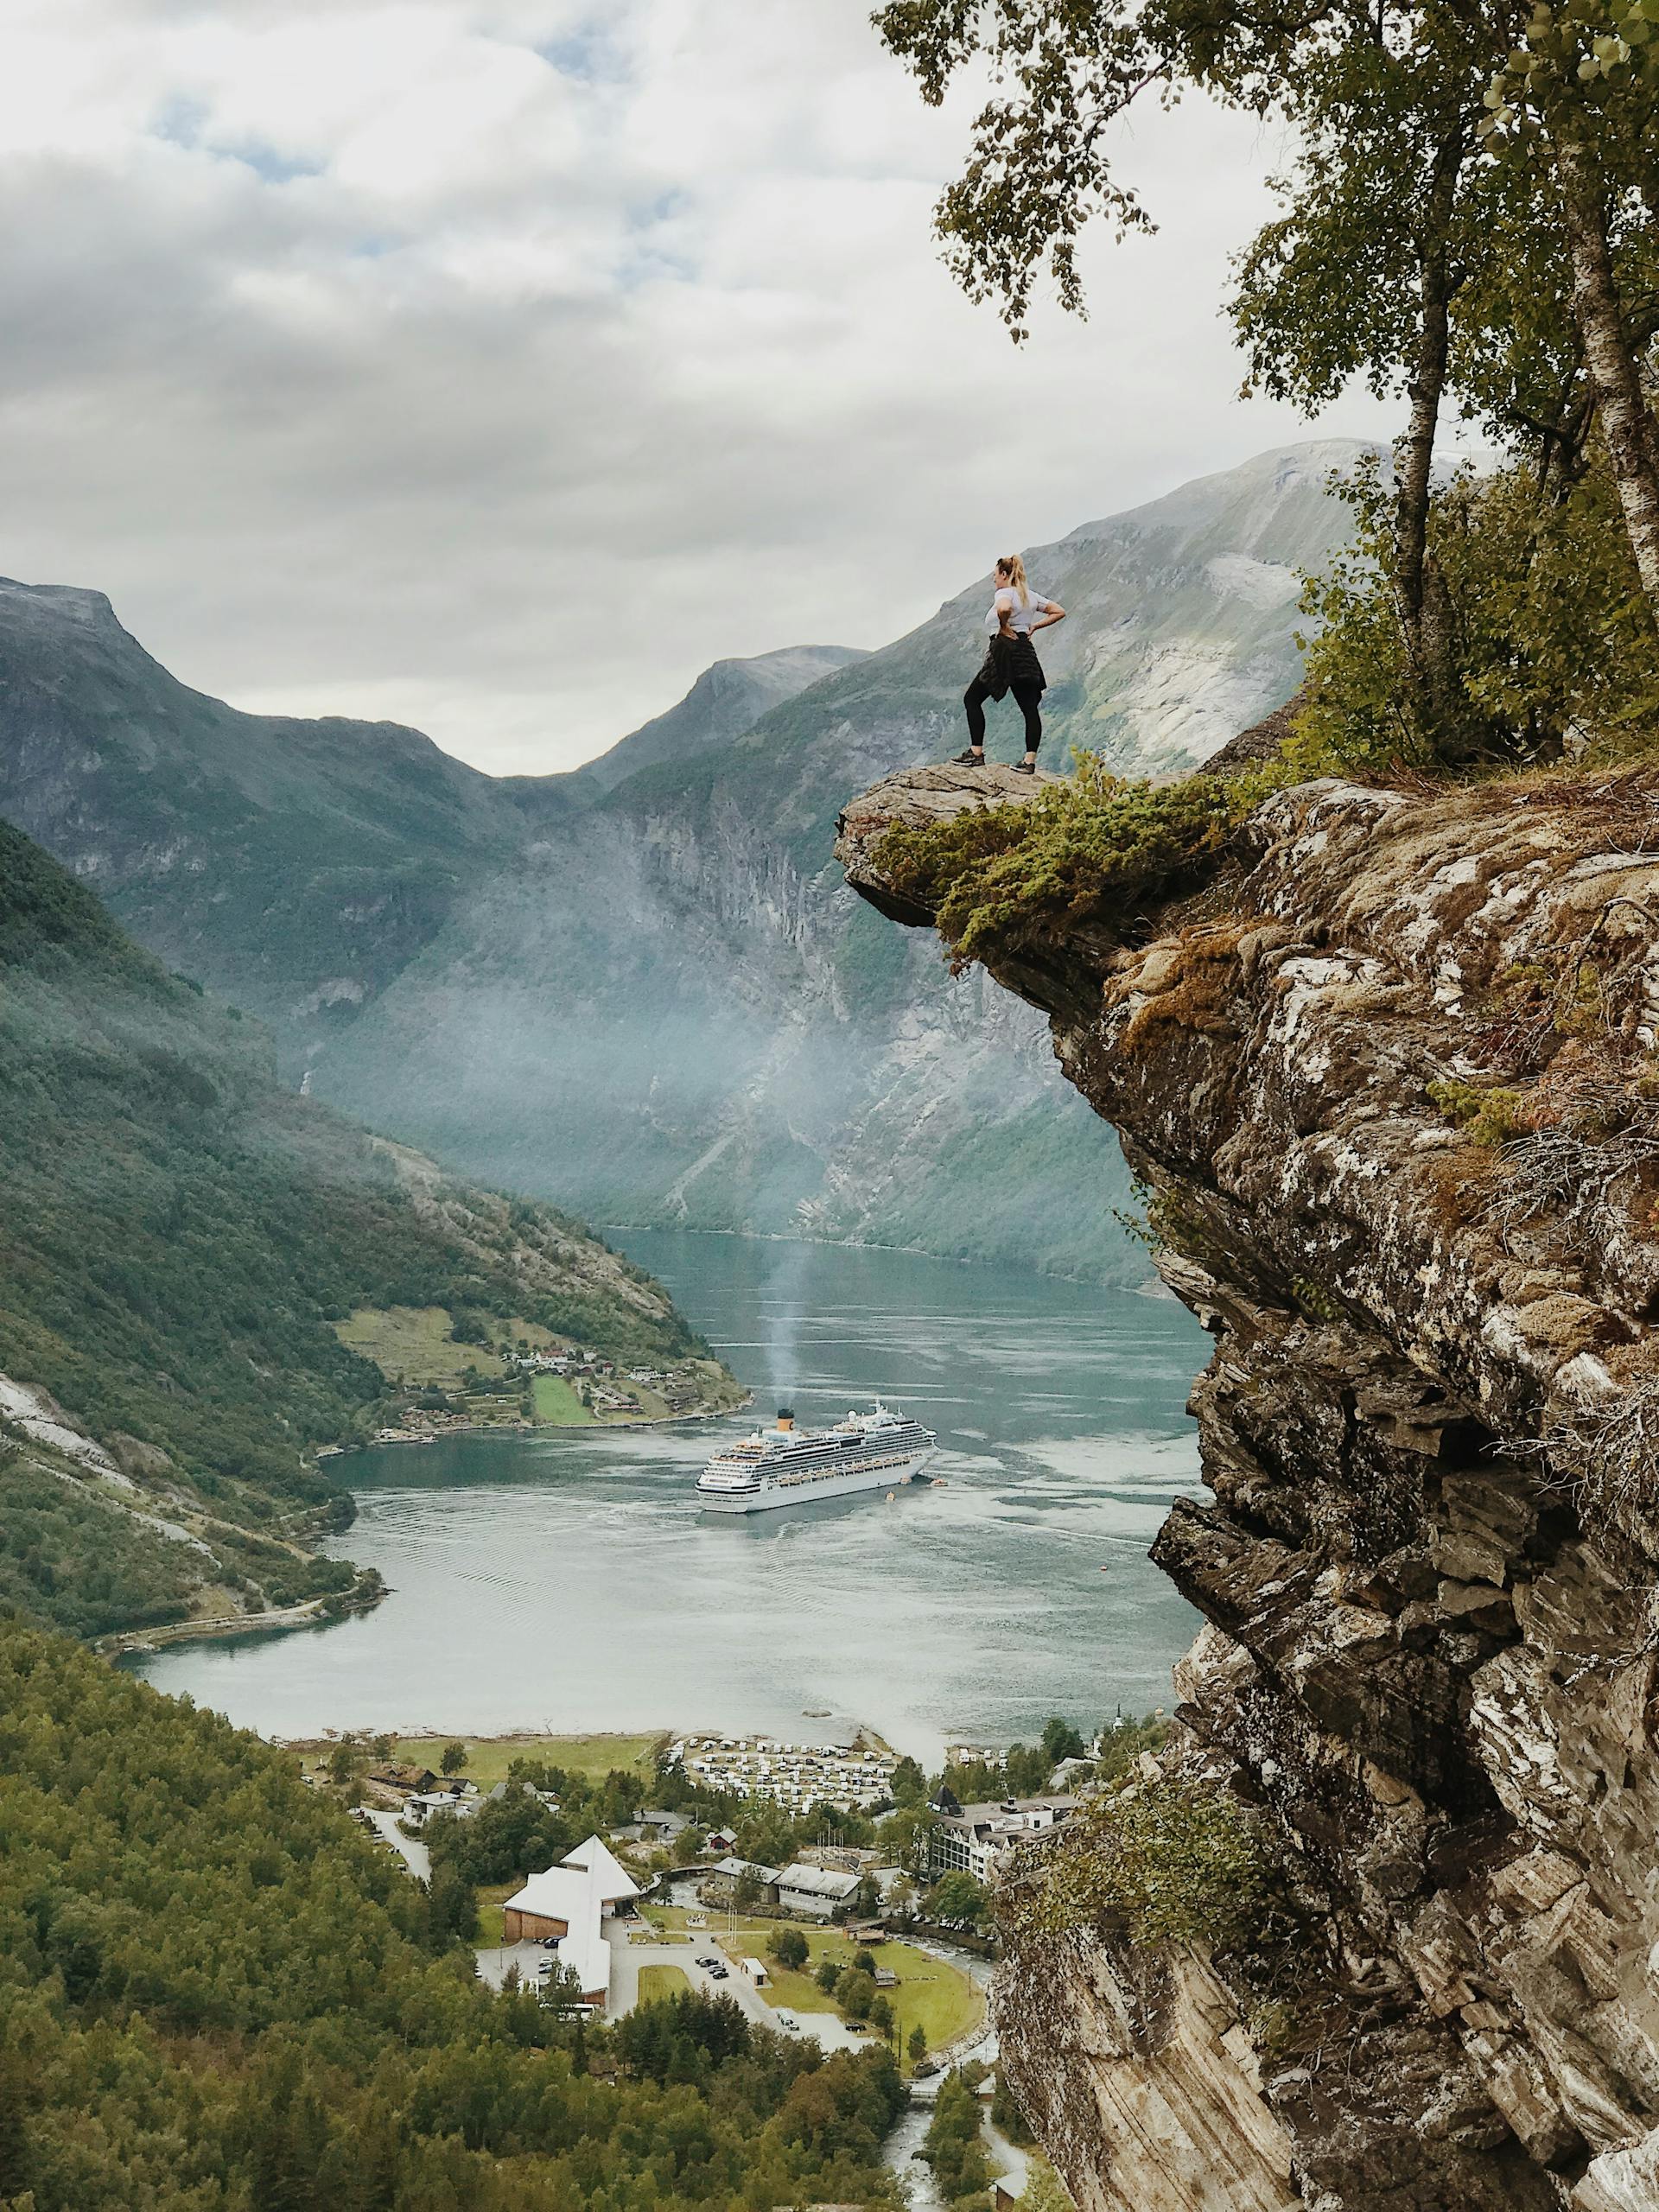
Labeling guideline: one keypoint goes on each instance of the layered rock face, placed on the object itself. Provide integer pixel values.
(1387, 1080)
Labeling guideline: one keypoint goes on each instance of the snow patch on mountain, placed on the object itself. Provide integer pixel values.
(1183, 702)
(1258, 583)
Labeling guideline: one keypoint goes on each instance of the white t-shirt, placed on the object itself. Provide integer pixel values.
(1020, 616)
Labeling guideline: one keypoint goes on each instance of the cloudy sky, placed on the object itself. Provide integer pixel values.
(495, 366)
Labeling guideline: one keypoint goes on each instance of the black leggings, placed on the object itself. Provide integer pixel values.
(1028, 697)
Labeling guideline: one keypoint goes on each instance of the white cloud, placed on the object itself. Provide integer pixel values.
(494, 367)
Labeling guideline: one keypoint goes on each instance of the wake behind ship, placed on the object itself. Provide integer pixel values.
(785, 1465)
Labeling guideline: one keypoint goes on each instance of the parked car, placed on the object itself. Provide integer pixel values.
(548, 1943)
(719, 1973)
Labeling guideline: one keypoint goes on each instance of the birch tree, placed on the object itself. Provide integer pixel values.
(1561, 150)
(1358, 278)
(1581, 89)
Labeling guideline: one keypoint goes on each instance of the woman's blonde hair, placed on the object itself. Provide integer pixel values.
(1014, 570)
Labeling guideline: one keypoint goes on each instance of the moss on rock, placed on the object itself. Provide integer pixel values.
(1171, 1861)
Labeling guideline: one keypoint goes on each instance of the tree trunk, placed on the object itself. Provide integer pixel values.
(1424, 637)
(1626, 423)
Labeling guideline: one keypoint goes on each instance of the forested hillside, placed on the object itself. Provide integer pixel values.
(180, 1233)
(215, 1996)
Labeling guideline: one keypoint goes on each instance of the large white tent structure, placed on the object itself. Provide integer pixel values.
(571, 1902)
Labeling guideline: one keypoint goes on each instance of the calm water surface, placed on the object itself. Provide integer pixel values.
(567, 1581)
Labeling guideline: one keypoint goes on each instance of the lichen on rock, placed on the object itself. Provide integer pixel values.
(1384, 1060)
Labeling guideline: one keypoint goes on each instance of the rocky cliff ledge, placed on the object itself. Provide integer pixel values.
(1389, 1077)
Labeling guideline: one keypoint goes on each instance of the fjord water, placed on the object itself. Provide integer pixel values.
(565, 1581)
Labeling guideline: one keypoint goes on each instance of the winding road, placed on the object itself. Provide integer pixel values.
(415, 1856)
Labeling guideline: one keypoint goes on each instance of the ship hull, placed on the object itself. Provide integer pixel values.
(808, 1489)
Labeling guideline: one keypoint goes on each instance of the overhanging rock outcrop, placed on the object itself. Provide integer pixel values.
(1389, 1080)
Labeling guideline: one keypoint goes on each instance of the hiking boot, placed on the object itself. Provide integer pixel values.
(970, 758)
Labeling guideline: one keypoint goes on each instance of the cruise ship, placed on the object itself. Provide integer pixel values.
(786, 1465)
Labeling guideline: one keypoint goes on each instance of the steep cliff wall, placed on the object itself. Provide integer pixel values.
(1391, 1079)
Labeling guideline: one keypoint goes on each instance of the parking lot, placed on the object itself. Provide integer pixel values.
(530, 1958)
(831, 2031)
(627, 1959)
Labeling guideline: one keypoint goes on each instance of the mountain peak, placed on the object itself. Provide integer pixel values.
(1271, 477)
(727, 700)
(67, 603)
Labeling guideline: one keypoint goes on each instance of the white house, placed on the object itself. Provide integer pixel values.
(974, 1838)
(572, 1902)
(420, 1808)
(815, 1893)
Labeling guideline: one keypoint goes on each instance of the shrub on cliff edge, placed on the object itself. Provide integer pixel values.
(1171, 1862)
(1093, 849)
(1544, 639)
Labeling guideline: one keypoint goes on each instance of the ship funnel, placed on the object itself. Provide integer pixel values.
(786, 1417)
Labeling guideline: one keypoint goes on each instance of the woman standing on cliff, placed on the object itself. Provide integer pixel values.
(1011, 662)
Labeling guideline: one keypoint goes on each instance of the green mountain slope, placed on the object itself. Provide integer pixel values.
(296, 867)
(216, 1996)
(179, 1235)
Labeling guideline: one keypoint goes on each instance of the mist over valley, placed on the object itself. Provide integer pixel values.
(641, 988)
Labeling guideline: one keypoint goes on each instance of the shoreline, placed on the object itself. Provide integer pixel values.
(310, 1612)
(318, 1613)
(537, 1428)
(1153, 1284)
(425, 1733)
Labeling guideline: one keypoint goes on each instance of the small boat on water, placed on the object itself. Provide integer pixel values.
(786, 1465)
